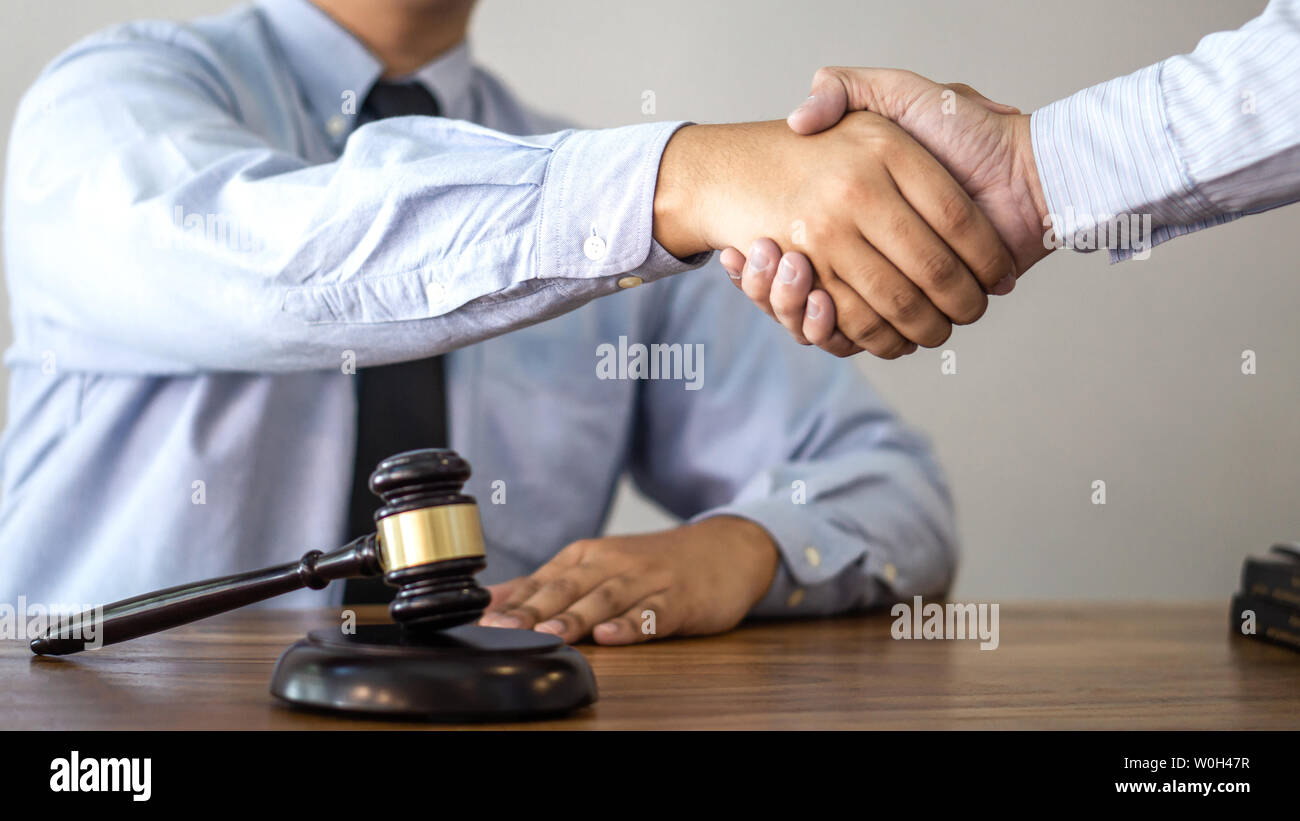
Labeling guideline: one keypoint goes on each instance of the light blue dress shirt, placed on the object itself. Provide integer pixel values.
(201, 241)
(1193, 141)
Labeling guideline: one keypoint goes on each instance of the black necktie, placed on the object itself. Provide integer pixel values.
(401, 406)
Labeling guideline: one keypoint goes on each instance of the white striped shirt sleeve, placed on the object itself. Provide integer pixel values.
(1193, 141)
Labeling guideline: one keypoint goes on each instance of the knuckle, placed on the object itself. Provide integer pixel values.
(996, 263)
(828, 73)
(940, 269)
(757, 288)
(972, 311)
(957, 212)
(784, 294)
(573, 622)
(846, 188)
(787, 314)
(879, 141)
(899, 350)
(790, 302)
(815, 234)
(862, 325)
(841, 348)
(936, 336)
(608, 593)
(629, 626)
(523, 592)
(884, 138)
(563, 586)
(658, 605)
(525, 613)
(577, 549)
(891, 349)
(899, 224)
(907, 305)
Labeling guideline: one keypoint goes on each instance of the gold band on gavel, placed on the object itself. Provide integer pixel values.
(429, 534)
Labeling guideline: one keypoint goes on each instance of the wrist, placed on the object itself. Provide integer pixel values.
(680, 189)
(1033, 201)
(750, 548)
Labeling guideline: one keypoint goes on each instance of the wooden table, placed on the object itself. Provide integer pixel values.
(1099, 666)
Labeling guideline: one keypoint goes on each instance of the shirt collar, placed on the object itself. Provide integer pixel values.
(336, 71)
(450, 79)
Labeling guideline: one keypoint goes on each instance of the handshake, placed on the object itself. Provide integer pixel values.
(879, 233)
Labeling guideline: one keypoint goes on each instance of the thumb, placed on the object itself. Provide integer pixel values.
(825, 106)
(837, 91)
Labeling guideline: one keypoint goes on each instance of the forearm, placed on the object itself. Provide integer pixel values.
(799, 444)
(1193, 141)
(191, 243)
(852, 531)
(752, 559)
(703, 175)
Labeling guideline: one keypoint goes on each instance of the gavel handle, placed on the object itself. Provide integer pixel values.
(152, 612)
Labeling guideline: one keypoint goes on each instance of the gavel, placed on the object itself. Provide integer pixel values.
(428, 543)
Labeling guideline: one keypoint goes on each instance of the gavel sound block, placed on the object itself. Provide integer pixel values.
(432, 663)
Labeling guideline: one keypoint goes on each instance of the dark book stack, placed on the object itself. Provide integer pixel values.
(1268, 605)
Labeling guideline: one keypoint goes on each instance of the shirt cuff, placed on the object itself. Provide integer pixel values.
(812, 578)
(597, 217)
(1110, 174)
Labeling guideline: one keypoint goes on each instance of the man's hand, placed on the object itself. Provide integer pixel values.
(893, 239)
(984, 145)
(696, 579)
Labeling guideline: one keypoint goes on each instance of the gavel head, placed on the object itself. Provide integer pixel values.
(430, 539)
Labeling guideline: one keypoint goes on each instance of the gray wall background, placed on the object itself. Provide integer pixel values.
(1129, 373)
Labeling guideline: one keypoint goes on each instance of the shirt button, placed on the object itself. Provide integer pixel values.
(813, 555)
(891, 573)
(336, 125)
(434, 292)
(629, 282)
(594, 248)
(796, 598)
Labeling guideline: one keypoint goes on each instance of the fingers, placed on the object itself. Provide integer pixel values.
(819, 326)
(586, 584)
(502, 592)
(606, 601)
(789, 293)
(760, 269)
(954, 217)
(827, 104)
(807, 312)
(913, 247)
(733, 262)
(893, 298)
(837, 90)
(525, 601)
(779, 285)
(862, 326)
(818, 318)
(535, 601)
(648, 618)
